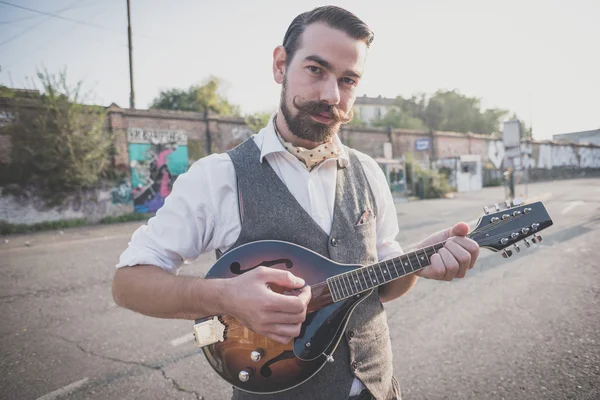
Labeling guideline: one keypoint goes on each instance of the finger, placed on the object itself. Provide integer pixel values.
(305, 295)
(471, 246)
(286, 330)
(279, 338)
(435, 270)
(460, 229)
(286, 318)
(281, 278)
(450, 262)
(286, 304)
(461, 255)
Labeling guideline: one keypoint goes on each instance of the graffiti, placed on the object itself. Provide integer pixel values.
(138, 135)
(589, 157)
(155, 165)
(122, 194)
(557, 156)
(7, 118)
(496, 153)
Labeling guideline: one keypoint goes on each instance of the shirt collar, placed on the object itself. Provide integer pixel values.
(272, 144)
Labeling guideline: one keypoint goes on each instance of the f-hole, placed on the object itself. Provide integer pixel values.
(236, 268)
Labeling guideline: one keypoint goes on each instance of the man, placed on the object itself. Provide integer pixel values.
(294, 181)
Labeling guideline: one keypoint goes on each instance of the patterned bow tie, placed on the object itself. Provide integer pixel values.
(311, 157)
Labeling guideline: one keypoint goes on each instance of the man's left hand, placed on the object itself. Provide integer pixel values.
(456, 257)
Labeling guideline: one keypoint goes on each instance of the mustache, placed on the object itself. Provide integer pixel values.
(318, 107)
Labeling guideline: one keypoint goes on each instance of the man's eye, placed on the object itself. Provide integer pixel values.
(349, 81)
(314, 70)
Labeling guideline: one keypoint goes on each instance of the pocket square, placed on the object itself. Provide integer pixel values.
(366, 216)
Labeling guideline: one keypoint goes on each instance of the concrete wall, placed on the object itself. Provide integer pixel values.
(544, 160)
(94, 204)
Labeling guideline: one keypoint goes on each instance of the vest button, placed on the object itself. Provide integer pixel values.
(354, 365)
(350, 334)
(334, 242)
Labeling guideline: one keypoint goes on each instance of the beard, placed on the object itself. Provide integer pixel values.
(303, 126)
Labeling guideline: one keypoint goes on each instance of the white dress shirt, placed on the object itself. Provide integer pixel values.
(201, 213)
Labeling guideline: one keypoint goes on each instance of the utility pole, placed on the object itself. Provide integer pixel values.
(131, 93)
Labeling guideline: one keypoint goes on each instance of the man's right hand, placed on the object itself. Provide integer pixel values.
(251, 301)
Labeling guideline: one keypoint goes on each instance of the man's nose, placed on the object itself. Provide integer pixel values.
(330, 93)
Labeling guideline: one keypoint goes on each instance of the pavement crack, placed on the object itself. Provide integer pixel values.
(160, 368)
(178, 387)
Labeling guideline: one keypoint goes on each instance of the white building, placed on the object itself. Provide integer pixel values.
(369, 109)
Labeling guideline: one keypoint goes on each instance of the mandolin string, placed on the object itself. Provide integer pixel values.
(339, 278)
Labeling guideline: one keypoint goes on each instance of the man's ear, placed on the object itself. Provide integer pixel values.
(279, 57)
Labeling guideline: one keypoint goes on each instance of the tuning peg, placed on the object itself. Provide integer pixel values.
(507, 204)
(506, 253)
(517, 248)
(486, 210)
(497, 207)
(526, 242)
(517, 202)
(537, 239)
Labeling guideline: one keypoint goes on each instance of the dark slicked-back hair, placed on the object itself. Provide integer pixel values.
(333, 16)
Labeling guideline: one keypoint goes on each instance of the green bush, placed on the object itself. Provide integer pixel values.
(9, 229)
(126, 218)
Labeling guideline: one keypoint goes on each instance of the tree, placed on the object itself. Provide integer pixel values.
(205, 98)
(400, 120)
(258, 120)
(60, 146)
(448, 110)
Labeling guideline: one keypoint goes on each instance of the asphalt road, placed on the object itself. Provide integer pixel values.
(527, 327)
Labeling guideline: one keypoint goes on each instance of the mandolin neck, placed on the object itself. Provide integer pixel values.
(351, 283)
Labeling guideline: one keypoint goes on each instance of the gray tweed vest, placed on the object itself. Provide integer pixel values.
(268, 211)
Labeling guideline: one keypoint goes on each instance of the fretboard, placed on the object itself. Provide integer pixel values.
(362, 279)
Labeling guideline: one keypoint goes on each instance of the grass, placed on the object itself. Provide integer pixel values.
(12, 229)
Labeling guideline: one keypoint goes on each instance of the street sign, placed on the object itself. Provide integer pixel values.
(422, 144)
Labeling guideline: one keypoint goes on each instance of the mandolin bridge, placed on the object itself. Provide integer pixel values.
(209, 332)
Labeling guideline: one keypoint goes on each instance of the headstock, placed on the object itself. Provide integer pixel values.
(505, 225)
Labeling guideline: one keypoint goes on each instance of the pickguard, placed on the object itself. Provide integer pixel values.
(322, 327)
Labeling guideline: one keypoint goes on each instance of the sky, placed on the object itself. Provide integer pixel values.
(538, 58)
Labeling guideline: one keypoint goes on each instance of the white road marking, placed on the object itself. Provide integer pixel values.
(65, 390)
(181, 340)
(571, 206)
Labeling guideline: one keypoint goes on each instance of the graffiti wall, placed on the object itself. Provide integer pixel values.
(156, 158)
(547, 156)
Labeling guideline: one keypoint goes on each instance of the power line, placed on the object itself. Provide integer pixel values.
(12, 21)
(60, 17)
(70, 6)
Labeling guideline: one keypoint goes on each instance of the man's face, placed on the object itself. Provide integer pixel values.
(319, 85)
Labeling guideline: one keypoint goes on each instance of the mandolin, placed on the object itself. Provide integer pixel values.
(256, 364)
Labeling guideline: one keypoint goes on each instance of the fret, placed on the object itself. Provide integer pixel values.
(331, 285)
(362, 270)
(359, 287)
(343, 286)
(372, 277)
(403, 263)
(395, 269)
(382, 273)
(412, 269)
(427, 257)
(357, 281)
(350, 291)
(338, 288)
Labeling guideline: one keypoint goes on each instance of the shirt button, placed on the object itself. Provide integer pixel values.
(334, 242)
(354, 365)
(350, 334)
